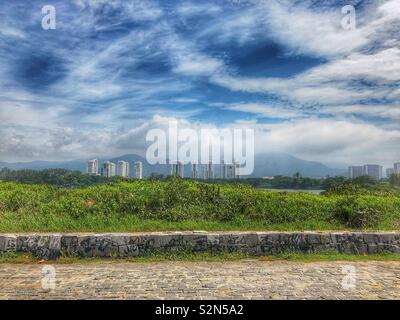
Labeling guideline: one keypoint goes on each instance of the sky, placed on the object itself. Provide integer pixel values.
(112, 70)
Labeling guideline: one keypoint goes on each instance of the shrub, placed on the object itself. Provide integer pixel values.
(357, 214)
(178, 200)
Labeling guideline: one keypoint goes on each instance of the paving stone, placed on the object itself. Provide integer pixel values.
(247, 279)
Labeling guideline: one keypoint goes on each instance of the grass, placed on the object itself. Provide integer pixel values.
(187, 205)
(23, 258)
(48, 223)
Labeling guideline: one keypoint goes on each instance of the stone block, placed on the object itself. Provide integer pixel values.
(325, 238)
(356, 237)
(371, 238)
(269, 238)
(312, 238)
(42, 246)
(388, 238)
(8, 243)
(51, 246)
(97, 246)
(69, 245)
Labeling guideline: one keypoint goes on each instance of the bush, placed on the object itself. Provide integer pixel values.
(177, 200)
(357, 214)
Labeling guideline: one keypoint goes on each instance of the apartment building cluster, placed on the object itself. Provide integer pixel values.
(227, 171)
(374, 171)
(110, 169)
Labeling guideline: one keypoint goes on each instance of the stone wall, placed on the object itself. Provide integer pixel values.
(51, 246)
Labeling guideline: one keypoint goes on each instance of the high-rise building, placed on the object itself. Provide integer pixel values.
(194, 170)
(180, 169)
(208, 171)
(177, 169)
(355, 171)
(108, 169)
(237, 167)
(232, 171)
(373, 170)
(139, 170)
(93, 167)
(389, 172)
(396, 168)
(223, 170)
(123, 169)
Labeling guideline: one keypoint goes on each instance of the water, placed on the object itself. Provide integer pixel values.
(294, 190)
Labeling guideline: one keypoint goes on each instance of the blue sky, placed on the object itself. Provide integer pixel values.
(112, 70)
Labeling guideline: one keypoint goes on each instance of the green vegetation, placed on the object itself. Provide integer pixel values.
(363, 186)
(394, 180)
(294, 182)
(337, 185)
(25, 258)
(56, 177)
(178, 204)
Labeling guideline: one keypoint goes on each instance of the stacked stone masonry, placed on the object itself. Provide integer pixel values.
(52, 246)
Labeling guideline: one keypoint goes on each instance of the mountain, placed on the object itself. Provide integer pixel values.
(286, 165)
(264, 165)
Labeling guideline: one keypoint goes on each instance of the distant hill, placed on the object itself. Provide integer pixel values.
(286, 165)
(265, 165)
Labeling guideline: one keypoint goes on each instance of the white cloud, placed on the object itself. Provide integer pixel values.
(191, 9)
(264, 110)
(134, 10)
(341, 141)
(8, 31)
(197, 65)
(310, 32)
(363, 64)
(330, 83)
(380, 111)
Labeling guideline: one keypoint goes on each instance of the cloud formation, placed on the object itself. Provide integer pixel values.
(112, 70)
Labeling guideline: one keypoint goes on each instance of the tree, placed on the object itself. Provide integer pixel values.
(394, 180)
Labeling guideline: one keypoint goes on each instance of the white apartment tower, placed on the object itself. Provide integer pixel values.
(389, 172)
(93, 167)
(194, 170)
(139, 170)
(208, 171)
(223, 170)
(236, 168)
(396, 168)
(108, 169)
(123, 169)
(177, 169)
(355, 171)
(232, 171)
(373, 170)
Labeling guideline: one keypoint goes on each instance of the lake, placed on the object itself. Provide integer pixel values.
(294, 190)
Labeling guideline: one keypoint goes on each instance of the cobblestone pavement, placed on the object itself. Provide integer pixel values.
(204, 280)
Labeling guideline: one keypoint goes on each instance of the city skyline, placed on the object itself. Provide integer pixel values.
(375, 171)
(226, 170)
(111, 71)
